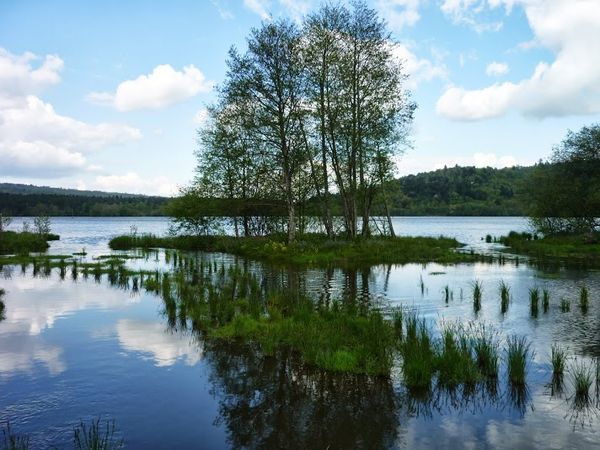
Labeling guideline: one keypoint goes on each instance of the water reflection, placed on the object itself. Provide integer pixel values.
(164, 347)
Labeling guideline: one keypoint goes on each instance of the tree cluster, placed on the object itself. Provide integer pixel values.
(307, 111)
(565, 193)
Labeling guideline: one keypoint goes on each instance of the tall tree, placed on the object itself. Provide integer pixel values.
(270, 77)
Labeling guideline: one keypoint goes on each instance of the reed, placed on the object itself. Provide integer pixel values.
(582, 379)
(545, 300)
(504, 296)
(13, 441)
(518, 352)
(565, 305)
(97, 436)
(534, 300)
(584, 300)
(477, 293)
(558, 356)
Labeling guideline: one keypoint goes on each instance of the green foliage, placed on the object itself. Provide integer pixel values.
(12, 242)
(565, 305)
(582, 379)
(564, 196)
(534, 300)
(564, 249)
(460, 191)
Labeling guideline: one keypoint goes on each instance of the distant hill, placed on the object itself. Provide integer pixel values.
(460, 191)
(13, 188)
(29, 200)
(454, 191)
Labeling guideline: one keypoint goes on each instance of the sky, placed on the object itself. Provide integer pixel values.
(109, 95)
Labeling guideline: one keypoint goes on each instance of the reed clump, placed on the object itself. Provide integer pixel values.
(534, 300)
(582, 379)
(584, 299)
(518, 352)
(97, 436)
(565, 305)
(558, 357)
(545, 300)
(504, 296)
(477, 294)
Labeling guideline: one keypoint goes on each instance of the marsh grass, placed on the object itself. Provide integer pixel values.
(565, 305)
(477, 294)
(13, 441)
(422, 284)
(582, 377)
(504, 296)
(584, 300)
(486, 348)
(518, 352)
(98, 435)
(545, 300)
(534, 300)
(558, 357)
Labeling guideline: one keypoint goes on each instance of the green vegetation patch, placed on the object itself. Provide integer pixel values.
(12, 242)
(310, 249)
(570, 249)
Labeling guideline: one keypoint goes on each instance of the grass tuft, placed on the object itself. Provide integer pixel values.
(518, 352)
(97, 436)
(504, 296)
(534, 300)
(584, 299)
(477, 293)
(558, 357)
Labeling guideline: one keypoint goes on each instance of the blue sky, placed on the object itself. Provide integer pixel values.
(108, 95)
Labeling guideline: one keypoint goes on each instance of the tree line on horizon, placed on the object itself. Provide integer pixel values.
(306, 112)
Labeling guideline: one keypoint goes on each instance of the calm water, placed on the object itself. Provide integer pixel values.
(73, 350)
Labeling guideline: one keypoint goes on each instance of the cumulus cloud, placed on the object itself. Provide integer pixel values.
(496, 69)
(399, 13)
(164, 86)
(133, 183)
(35, 140)
(418, 69)
(569, 85)
(18, 77)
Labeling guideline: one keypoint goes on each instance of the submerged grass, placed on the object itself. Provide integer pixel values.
(13, 441)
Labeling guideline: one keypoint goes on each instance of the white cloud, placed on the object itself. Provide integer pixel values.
(399, 13)
(164, 86)
(131, 182)
(19, 78)
(258, 7)
(419, 70)
(496, 69)
(467, 12)
(569, 85)
(34, 138)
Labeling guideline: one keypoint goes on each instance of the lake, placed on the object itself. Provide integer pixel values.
(73, 349)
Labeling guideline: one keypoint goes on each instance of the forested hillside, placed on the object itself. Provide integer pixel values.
(454, 191)
(460, 191)
(27, 200)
